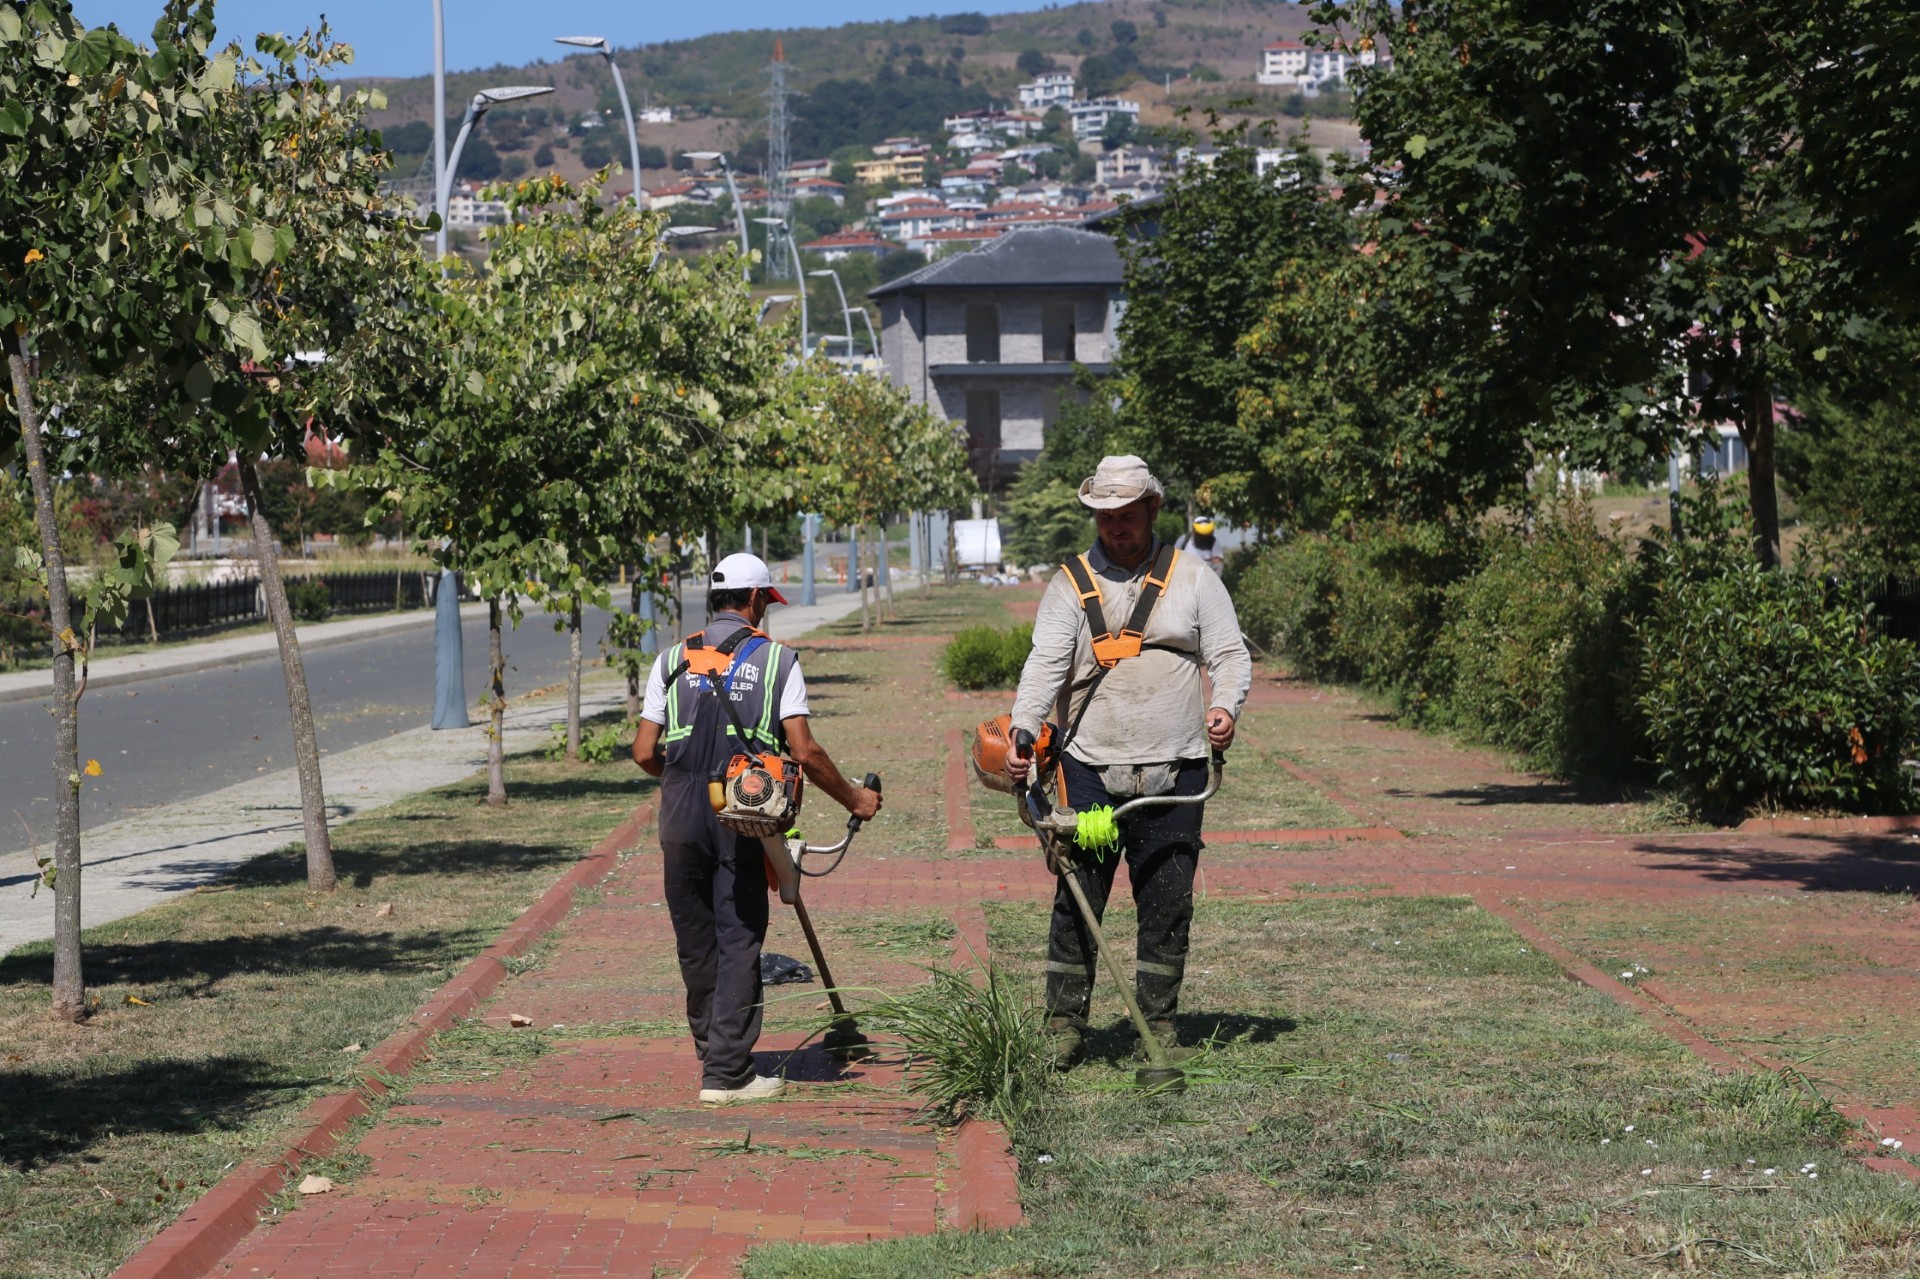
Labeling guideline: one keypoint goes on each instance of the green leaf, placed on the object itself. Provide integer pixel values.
(199, 382)
(13, 115)
(1417, 145)
(263, 243)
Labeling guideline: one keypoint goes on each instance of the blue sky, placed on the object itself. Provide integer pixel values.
(395, 37)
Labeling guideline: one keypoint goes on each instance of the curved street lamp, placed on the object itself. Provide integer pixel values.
(780, 225)
(846, 313)
(483, 102)
(733, 193)
(600, 46)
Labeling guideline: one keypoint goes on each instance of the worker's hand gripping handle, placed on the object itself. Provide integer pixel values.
(871, 783)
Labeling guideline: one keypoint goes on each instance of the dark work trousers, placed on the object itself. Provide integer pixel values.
(1161, 847)
(717, 896)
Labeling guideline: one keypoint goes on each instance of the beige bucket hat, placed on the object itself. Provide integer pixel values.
(1118, 481)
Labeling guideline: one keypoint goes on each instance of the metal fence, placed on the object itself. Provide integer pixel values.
(1897, 605)
(213, 606)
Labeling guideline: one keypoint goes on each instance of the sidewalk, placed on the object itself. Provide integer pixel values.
(133, 864)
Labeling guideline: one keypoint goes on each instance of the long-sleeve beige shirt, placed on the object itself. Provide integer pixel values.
(1150, 709)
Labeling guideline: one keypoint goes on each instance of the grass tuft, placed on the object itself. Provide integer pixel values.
(977, 1047)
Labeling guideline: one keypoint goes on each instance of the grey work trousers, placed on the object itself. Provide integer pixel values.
(716, 893)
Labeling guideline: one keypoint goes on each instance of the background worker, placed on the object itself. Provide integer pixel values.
(715, 879)
(1201, 540)
(1146, 728)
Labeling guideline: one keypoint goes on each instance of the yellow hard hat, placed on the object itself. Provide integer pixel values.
(1203, 526)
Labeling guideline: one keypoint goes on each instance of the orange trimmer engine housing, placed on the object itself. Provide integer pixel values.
(758, 794)
(993, 744)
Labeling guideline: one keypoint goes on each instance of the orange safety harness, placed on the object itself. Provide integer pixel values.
(1109, 649)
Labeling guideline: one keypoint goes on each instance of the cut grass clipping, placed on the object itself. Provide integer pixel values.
(1402, 1086)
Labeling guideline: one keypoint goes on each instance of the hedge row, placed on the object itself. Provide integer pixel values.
(1684, 664)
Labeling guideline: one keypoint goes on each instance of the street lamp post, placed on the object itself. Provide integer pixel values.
(780, 225)
(600, 46)
(733, 193)
(483, 102)
(449, 664)
(846, 313)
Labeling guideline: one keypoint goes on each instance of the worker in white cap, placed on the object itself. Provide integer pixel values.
(715, 879)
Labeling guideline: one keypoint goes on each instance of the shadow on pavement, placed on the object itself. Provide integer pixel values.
(1541, 791)
(429, 857)
(1816, 863)
(52, 1114)
(189, 969)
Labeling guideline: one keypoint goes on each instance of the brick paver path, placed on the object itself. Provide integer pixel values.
(592, 1158)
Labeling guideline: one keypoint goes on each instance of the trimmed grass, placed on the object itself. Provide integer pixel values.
(253, 994)
(1400, 1086)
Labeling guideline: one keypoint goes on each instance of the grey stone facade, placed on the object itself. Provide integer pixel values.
(991, 337)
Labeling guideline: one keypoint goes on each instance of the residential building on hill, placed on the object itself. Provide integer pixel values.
(1128, 162)
(1049, 89)
(1090, 118)
(820, 188)
(1291, 64)
(990, 337)
(906, 166)
(800, 170)
(846, 244)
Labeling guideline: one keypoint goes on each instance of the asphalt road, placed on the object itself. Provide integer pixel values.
(175, 737)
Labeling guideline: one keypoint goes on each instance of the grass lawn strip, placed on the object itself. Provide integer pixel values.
(1401, 1086)
(254, 997)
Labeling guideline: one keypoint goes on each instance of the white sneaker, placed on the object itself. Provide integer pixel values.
(759, 1088)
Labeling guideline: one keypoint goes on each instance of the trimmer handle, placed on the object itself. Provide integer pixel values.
(1023, 742)
(872, 783)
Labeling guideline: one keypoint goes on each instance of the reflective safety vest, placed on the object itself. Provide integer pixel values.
(747, 658)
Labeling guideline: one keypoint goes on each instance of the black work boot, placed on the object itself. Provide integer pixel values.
(1169, 1039)
(1066, 1041)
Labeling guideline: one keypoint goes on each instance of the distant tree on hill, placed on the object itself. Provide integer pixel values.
(411, 138)
(514, 166)
(853, 113)
(1124, 32)
(1033, 62)
(966, 24)
(479, 162)
(596, 151)
(898, 263)
(1084, 39)
(543, 158)
(1119, 131)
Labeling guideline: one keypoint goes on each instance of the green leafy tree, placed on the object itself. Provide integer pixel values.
(1614, 212)
(1195, 289)
(116, 228)
(589, 390)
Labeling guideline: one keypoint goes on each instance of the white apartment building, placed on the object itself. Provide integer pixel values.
(1291, 64)
(1090, 117)
(1049, 89)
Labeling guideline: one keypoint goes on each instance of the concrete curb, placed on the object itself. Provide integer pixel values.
(986, 1183)
(1829, 826)
(196, 1241)
(960, 833)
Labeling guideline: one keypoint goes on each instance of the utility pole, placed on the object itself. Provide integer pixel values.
(779, 189)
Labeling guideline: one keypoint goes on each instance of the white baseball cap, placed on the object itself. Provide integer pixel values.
(740, 572)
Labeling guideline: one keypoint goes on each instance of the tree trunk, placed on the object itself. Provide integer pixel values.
(885, 572)
(497, 715)
(1763, 497)
(153, 629)
(573, 682)
(953, 570)
(69, 986)
(306, 749)
(399, 565)
(860, 569)
(633, 607)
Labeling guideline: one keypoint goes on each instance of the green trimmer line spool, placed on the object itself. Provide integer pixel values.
(1096, 830)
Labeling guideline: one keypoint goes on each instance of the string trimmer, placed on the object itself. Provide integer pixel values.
(787, 859)
(1064, 835)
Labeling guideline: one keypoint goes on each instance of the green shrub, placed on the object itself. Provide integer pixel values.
(309, 599)
(598, 742)
(1772, 687)
(975, 1047)
(1536, 653)
(986, 657)
(1361, 607)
